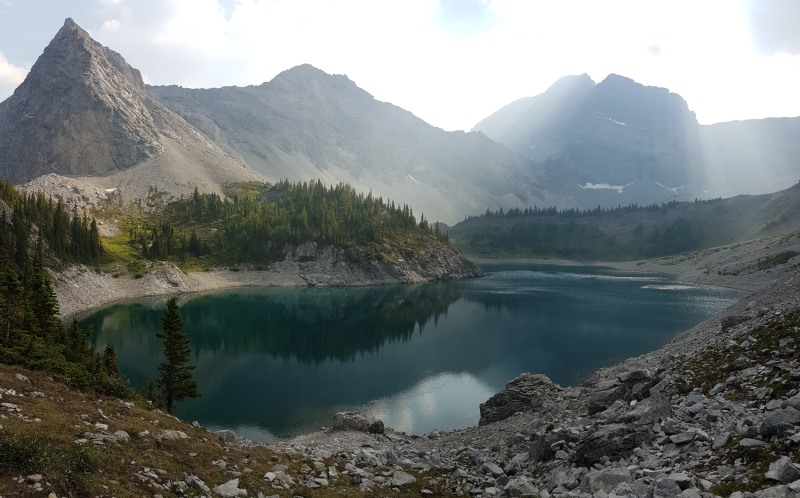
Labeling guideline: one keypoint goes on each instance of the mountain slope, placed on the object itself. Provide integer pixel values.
(619, 142)
(306, 124)
(615, 142)
(83, 111)
(630, 233)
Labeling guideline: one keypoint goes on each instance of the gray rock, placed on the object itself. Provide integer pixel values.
(751, 443)
(783, 471)
(354, 421)
(666, 488)
(521, 486)
(721, 440)
(227, 436)
(606, 394)
(400, 479)
(623, 490)
(122, 436)
(172, 435)
(196, 482)
(611, 441)
(230, 489)
(605, 480)
(526, 392)
(775, 492)
(779, 421)
(793, 402)
(493, 469)
(681, 479)
(634, 375)
(683, 437)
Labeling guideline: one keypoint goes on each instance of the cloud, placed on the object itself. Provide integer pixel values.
(9, 73)
(775, 25)
(5, 5)
(468, 16)
(10, 77)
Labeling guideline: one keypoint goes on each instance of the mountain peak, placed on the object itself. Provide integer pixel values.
(80, 110)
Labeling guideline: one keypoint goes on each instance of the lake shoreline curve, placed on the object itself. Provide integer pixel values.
(80, 289)
(713, 412)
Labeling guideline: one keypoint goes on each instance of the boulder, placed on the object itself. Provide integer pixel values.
(614, 441)
(354, 421)
(230, 489)
(227, 436)
(521, 486)
(605, 480)
(778, 421)
(783, 471)
(400, 478)
(527, 392)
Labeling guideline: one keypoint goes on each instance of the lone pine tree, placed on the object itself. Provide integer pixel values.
(175, 381)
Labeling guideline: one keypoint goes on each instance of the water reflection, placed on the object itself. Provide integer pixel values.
(275, 362)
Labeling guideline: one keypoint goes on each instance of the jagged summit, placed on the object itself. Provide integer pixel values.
(82, 110)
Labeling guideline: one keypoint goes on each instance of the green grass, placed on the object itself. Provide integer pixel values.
(776, 260)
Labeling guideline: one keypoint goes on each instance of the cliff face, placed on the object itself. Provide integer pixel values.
(82, 110)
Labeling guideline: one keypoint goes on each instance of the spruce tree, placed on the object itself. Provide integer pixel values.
(175, 381)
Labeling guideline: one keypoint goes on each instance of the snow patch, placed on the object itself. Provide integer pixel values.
(413, 179)
(515, 197)
(604, 186)
(612, 120)
(674, 190)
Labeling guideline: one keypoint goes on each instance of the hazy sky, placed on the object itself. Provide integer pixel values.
(450, 62)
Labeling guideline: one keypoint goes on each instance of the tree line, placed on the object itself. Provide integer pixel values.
(31, 333)
(624, 232)
(38, 219)
(255, 224)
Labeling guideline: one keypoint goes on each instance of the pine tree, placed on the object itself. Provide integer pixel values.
(110, 361)
(175, 381)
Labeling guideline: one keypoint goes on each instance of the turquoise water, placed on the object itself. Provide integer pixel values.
(276, 362)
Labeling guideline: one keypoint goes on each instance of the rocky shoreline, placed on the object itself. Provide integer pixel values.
(80, 289)
(716, 412)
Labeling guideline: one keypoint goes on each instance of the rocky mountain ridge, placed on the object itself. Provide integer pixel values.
(306, 124)
(618, 142)
(82, 111)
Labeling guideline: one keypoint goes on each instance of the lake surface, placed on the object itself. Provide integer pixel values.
(277, 362)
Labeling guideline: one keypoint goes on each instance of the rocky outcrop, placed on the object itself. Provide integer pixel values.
(304, 265)
(354, 421)
(527, 392)
(82, 117)
(358, 265)
(82, 110)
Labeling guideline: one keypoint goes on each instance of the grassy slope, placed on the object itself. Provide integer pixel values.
(40, 438)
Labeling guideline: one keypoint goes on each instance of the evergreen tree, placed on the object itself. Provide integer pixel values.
(110, 360)
(175, 381)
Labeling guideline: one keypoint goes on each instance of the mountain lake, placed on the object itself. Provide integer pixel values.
(277, 362)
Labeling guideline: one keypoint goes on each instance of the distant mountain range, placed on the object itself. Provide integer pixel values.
(84, 112)
(619, 142)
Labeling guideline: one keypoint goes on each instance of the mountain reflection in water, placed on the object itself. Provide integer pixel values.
(279, 361)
